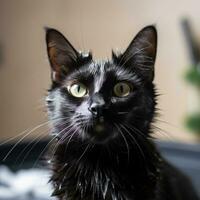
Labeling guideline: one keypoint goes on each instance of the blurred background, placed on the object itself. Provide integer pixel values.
(100, 26)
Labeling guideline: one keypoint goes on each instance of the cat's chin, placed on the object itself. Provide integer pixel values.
(100, 133)
(100, 140)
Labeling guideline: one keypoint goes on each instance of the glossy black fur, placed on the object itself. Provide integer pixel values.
(120, 163)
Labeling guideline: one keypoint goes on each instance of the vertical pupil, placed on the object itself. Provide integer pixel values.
(121, 88)
(78, 88)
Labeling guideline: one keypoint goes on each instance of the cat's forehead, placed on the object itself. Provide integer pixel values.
(99, 66)
(94, 68)
(100, 71)
(103, 69)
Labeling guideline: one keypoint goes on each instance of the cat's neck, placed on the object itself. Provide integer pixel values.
(103, 170)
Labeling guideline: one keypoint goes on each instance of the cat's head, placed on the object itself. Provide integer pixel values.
(98, 101)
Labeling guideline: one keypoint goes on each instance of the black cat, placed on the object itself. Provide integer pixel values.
(101, 114)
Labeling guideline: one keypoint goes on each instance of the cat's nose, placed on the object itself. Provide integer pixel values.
(97, 105)
(96, 109)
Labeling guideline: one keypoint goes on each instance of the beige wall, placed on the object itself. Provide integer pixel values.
(89, 24)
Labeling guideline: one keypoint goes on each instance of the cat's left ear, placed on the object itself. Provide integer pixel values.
(141, 53)
(62, 55)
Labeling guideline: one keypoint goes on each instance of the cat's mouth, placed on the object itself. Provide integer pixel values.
(99, 128)
(100, 131)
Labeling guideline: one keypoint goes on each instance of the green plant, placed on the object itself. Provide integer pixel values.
(193, 120)
(193, 76)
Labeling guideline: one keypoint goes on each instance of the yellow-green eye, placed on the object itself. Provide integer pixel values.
(122, 89)
(77, 90)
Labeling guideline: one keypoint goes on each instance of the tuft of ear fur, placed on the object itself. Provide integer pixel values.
(62, 55)
(141, 53)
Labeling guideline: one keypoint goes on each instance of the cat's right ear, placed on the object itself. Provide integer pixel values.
(62, 55)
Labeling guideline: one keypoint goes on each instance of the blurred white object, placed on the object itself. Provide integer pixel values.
(30, 184)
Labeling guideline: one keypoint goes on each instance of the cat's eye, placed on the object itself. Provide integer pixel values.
(122, 89)
(77, 90)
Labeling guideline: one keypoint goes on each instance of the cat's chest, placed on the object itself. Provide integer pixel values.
(78, 183)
